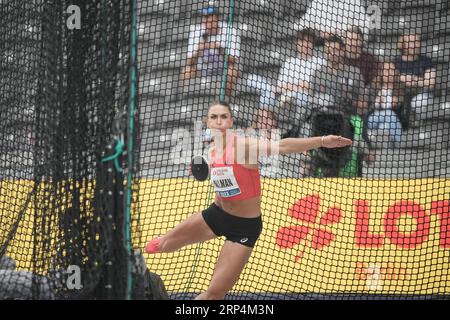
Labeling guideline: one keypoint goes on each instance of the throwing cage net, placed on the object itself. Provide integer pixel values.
(67, 93)
(368, 221)
(95, 152)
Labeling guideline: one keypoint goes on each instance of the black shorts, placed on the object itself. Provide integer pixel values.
(236, 229)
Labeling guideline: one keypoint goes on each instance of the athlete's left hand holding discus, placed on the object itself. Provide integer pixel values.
(236, 211)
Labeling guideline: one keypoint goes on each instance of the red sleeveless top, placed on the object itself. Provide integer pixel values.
(232, 181)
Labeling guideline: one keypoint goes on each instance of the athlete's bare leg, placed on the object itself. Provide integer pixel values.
(192, 230)
(232, 260)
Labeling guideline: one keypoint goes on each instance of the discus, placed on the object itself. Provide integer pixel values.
(199, 168)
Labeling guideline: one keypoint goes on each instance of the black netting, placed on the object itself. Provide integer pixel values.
(65, 87)
(95, 153)
(365, 221)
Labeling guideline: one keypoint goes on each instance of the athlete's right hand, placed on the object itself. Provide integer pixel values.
(332, 141)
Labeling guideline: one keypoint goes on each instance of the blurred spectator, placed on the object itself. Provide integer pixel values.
(265, 123)
(345, 162)
(295, 76)
(266, 120)
(337, 85)
(417, 75)
(387, 100)
(367, 64)
(266, 127)
(356, 56)
(207, 49)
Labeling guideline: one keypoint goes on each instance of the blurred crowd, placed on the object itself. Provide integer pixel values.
(332, 84)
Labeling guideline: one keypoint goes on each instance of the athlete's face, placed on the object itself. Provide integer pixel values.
(219, 119)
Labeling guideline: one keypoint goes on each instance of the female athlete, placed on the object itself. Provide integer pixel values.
(236, 210)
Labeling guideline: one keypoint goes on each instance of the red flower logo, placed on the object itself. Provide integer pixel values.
(307, 211)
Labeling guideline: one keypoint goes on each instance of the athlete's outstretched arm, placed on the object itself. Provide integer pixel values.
(294, 145)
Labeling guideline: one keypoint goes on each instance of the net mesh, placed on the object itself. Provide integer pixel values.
(364, 222)
(64, 91)
(369, 221)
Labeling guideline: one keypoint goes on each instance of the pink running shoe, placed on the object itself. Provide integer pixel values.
(153, 246)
